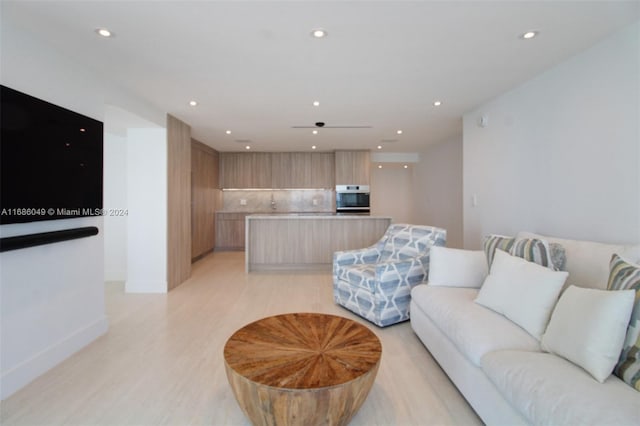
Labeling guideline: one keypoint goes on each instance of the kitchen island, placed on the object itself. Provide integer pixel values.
(306, 241)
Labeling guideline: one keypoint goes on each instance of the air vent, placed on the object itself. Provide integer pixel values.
(243, 141)
(389, 140)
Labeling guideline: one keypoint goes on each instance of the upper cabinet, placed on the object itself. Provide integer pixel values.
(323, 166)
(245, 170)
(277, 170)
(352, 167)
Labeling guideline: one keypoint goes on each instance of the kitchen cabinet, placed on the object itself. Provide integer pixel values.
(278, 170)
(245, 170)
(323, 170)
(236, 170)
(281, 175)
(352, 167)
(205, 194)
(230, 231)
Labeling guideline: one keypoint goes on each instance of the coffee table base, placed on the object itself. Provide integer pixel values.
(266, 405)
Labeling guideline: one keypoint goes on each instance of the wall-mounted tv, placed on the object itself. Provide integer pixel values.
(50, 161)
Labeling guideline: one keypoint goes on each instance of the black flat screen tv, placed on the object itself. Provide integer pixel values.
(50, 161)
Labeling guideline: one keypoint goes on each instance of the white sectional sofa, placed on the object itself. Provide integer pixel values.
(503, 371)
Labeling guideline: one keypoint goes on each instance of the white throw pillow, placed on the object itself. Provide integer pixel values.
(588, 328)
(522, 291)
(457, 268)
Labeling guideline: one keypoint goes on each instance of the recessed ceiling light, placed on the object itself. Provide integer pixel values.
(228, 132)
(437, 103)
(315, 132)
(379, 146)
(406, 167)
(529, 35)
(318, 33)
(316, 103)
(313, 147)
(399, 132)
(379, 166)
(83, 129)
(104, 32)
(247, 147)
(193, 103)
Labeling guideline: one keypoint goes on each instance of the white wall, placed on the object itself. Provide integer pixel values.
(147, 205)
(52, 297)
(115, 202)
(392, 192)
(561, 154)
(438, 189)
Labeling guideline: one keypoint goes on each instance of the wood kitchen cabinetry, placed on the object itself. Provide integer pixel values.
(230, 231)
(352, 167)
(245, 170)
(323, 170)
(278, 170)
(205, 195)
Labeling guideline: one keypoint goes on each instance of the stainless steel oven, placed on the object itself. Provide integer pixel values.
(352, 199)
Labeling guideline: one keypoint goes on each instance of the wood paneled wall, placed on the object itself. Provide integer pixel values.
(205, 197)
(178, 202)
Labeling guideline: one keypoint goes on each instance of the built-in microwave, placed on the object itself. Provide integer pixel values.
(352, 199)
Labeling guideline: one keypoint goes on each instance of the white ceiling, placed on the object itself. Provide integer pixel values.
(254, 68)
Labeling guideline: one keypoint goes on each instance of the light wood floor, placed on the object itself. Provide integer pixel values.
(161, 361)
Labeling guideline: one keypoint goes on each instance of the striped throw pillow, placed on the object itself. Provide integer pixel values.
(493, 242)
(624, 275)
(533, 250)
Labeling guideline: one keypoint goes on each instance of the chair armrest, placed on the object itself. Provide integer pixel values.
(351, 257)
(411, 271)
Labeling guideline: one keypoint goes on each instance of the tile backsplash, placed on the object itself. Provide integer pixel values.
(285, 200)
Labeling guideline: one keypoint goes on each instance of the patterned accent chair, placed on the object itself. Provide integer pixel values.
(376, 282)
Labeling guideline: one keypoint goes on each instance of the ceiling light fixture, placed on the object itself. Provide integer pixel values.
(399, 132)
(406, 167)
(379, 166)
(228, 132)
(313, 147)
(379, 146)
(193, 103)
(529, 35)
(316, 103)
(315, 132)
(318, 33)
(104, 32)
(247, 147)
(437, 103)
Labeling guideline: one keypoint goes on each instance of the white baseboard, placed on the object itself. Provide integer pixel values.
(22, 374)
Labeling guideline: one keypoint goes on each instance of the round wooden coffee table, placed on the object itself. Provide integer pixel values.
(302, 368)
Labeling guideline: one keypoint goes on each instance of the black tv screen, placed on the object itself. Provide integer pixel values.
(50, 159)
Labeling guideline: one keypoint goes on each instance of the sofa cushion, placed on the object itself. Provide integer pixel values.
(473, 329)
(522, 291)
(588, 261)
(588, 327)
(457, 268)
(548, 390)
(626, 276)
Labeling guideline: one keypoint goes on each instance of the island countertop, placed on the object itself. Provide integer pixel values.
(306, 241)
